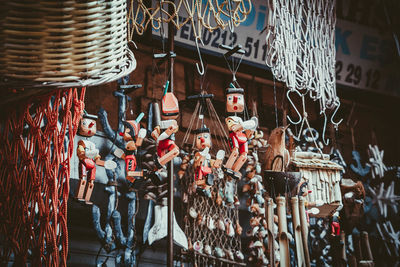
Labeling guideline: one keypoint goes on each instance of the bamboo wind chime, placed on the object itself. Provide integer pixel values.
(322, 178)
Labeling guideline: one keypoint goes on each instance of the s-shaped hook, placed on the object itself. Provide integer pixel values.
(201, 72)
(291, 102)
(336, 124)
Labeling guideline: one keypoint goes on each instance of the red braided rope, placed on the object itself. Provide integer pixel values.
(36, 144)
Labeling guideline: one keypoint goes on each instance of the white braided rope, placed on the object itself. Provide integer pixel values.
(301, 47)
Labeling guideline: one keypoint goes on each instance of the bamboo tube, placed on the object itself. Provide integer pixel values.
(283, 235)
(338, 194)
(304, 230)
(269, 212)
(365, 247)
(357, 247)
(297, 232)
(343, 251)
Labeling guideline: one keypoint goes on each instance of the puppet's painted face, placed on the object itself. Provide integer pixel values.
(232, 121)
(234, 102)
(203, 140)
(87, 127)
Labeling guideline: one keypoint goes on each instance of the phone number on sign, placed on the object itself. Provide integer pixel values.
(255, 48)
(354, 75)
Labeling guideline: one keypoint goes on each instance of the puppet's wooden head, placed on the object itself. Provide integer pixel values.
(203, 138)
(87, 125)
(234, 100)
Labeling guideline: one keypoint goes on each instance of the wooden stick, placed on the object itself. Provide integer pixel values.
(343, 251)
(304, 230)
(366, 248)
(269, 213)
(297, 231)
(283, 232)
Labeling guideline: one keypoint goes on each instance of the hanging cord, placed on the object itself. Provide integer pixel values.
(298, 56)
(210, 15)
(234, 68)
(276, 108)
(190, 127)
(220, 130)
(217, 120)
(162, 31)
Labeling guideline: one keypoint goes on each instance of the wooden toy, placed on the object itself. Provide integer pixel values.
(133, 137)
(202, 163)
(164, 132)
(238, 143)
(234, 100)
(276, 157)
(89, 157)
(283, 232)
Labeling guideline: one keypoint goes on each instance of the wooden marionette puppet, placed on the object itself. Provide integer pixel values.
(88, 156)
(133, 137)
(239, 131)
(203, 163)
(164, 131)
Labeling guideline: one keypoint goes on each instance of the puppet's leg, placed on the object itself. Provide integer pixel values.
(239, 162)
(89, 190)
(82, 181)
(242, 158)
(169, 156)
(232, 158)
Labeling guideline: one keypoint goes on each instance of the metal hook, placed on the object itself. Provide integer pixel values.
(326, 142)
(201, 72)
(336, 124)
(291, 102)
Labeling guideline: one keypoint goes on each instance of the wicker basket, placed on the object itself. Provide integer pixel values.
(64, 43)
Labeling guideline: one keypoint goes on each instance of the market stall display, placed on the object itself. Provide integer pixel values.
(225, 168)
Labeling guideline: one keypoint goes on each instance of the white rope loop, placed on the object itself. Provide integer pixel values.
(301, 47)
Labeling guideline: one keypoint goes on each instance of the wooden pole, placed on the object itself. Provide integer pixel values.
(170, 255)
(297, 231)
(269, 212)
(304, 230)
(283, 232)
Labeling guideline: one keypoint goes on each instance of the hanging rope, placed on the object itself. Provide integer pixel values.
(301, 47)
(36, 146)
(207, 14)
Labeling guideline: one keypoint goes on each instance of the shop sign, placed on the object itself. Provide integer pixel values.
(363, 56)
(365, 59)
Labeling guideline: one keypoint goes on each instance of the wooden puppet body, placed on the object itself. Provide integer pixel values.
(202, 162)
(238, 132)
(133, 136)
(89, 157)
(167, 150)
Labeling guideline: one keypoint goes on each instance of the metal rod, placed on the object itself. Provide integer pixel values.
(170, 255)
